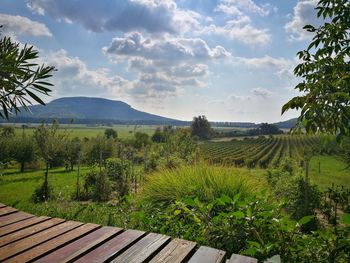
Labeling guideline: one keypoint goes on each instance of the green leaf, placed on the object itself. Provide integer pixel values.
(346, 219)
(177, 212)
(305, 220)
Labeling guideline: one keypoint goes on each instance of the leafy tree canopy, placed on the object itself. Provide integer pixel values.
(201, 127)
(325, 70)
(21, 79)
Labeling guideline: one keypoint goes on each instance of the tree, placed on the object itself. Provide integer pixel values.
(325, 69)
(158, 136)
(21, 79)
(111, 133)
(23, 150)
(200, 127)
(51, 143)
(71, 153)
(141, 139)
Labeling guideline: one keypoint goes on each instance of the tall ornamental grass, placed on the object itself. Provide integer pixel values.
(202, 181)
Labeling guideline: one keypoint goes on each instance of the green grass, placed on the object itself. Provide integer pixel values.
(81, 131)
(333, 170)
(16, 190)
(202, 181)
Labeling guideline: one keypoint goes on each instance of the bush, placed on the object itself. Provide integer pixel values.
(300, 196)
(251, 226)
(97, 186)
(119, 171)
(201, 180)
(42, 193)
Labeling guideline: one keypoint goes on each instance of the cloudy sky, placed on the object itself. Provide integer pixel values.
(231, 60)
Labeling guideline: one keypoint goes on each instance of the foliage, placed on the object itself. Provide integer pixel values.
(119, 171)
(201, 127)
(23, 150)
(325, 68)
(97, 149)
(251, 226)
(7, 131)
(202, 181)
(264, 129)
(42, 193)
(72, 150)
(20, 77)
(300, 196)
(111, 133)
(159, 136)
(97, 185)
(141, 139)
(51, 146)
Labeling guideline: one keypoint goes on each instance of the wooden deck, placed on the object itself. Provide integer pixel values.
(27, 238)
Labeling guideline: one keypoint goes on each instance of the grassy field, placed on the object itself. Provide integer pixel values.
(81, 131)
(332, 170)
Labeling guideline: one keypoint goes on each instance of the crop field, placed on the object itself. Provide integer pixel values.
(81, 131)
(259, 152)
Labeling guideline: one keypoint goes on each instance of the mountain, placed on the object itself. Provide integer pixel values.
(92, 110)
(286, 124)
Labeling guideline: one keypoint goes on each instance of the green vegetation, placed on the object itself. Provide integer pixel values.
(21, 79)
(325, 69)
(328, 170)
(260, 152)
(202, 181)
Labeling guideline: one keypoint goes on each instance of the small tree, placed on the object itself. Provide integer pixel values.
(51, 143)
(71, 152)
(201, 127)
(111, 133)
(23, 150)
(141, 139)
(325, 69)
(21, 79)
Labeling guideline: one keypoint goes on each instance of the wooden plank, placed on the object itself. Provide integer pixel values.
(2, 205)
(81, 246)
(112, 247)
(178, 250)
(207, 255)
(7, 210)
(54, 243)
(24, 244)
(13, 218)
(241, 259)
(29, 231)
(144, 249)
(21, 225)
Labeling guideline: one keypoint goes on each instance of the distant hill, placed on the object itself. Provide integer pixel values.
(89, 110)
(286, 124)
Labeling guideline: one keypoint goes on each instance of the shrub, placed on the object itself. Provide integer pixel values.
(119, 170)
(201, 180)
(42, 193)
(97, 186)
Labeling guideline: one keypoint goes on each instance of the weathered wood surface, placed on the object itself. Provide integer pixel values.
(27, 238)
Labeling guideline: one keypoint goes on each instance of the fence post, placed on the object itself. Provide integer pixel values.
(78, 177)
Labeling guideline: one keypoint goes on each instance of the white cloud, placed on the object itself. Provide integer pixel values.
(281, 66)
(304, 14)
(239, 27)
(20, 25)
(168, 50)
(261, 92)
(167, 65)
(74, 77)
(234, 7)
(153, 16)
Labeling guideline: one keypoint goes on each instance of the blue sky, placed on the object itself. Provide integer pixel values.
(231, 60)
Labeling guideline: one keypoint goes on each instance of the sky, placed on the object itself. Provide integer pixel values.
(231, 60)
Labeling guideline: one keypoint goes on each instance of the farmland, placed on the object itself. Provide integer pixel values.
(260, 152)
